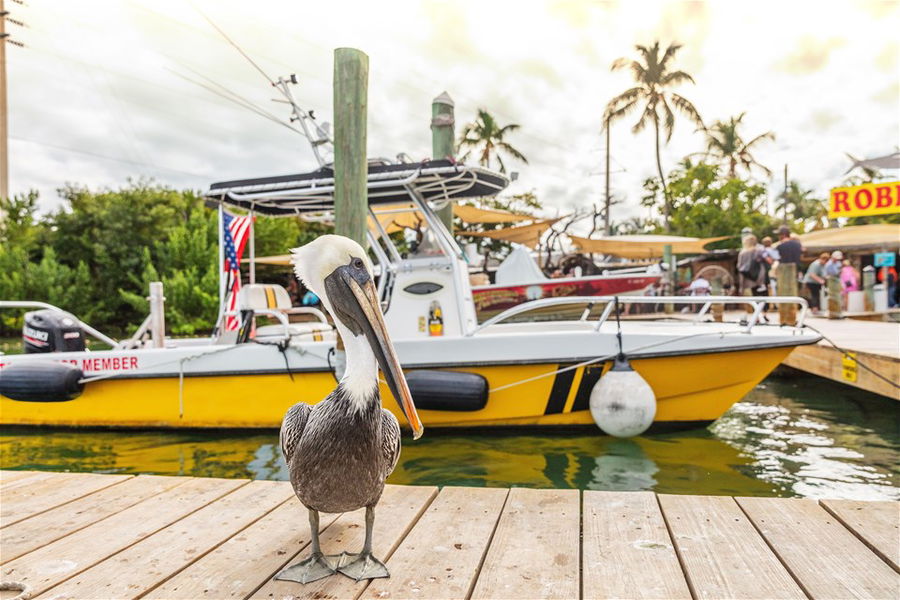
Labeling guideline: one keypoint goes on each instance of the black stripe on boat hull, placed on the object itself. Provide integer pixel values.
(562, 383)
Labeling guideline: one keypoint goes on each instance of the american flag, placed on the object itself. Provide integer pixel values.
(237, 230)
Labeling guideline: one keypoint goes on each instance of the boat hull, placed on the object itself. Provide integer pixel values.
(493, 299)
(690, 389)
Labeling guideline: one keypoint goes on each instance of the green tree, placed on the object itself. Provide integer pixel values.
(800, 206)
(654, 77)
(725, 145)
(704, 204)
(19, 225)
(487, 138)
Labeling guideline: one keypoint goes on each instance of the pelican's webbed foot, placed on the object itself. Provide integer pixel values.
(361, 566)
(311, 569)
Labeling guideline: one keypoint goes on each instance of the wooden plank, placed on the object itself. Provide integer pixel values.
(9, 476)
(626, 551)
(154, 559)
(66, 557)
(32, 478)
(27, 500)
(827, 560)
(721, 552)
(441, 556)
(535, 550)
(64, 520)
(877, 524)
(250, 558)
(399, 509)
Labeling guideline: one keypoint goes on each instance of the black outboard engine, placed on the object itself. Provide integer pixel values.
(51, 331)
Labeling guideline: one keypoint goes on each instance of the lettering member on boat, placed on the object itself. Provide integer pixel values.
(340, 451)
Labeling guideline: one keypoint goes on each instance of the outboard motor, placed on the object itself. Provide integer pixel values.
(51, 331)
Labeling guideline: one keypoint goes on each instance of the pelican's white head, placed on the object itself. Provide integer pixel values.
(339, 272)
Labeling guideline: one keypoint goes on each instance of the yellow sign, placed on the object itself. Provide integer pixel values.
(865, 200)
(848, 366)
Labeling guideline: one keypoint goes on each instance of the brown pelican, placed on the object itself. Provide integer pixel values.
(340, 451)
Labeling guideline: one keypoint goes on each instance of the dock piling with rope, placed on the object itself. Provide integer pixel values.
(68, 535)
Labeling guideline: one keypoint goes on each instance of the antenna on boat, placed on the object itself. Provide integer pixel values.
(306, 118)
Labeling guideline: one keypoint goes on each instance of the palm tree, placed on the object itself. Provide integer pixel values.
(800, 205)
(485, 137)
(654, 78)
(724, 143)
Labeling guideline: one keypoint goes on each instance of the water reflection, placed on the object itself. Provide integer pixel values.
(793, 437)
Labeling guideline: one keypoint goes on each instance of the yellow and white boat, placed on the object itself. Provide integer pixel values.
(462, 374)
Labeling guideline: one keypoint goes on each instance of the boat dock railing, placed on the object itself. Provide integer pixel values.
(757, 303)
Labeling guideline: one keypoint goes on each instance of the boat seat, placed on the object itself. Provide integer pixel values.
(256, 296)
(273, 297)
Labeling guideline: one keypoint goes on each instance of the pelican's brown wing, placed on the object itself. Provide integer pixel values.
(292, 428)
(390, 441)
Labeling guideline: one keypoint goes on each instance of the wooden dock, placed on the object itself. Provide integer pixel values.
(875, 344)
(70, 535)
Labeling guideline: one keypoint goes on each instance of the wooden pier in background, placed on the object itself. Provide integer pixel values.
(874, 343)
(70, 535)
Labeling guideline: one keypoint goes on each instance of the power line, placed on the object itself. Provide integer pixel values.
(104, 156)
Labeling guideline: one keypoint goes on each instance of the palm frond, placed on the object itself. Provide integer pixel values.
(512, 151)
(669, 123)
(648, 114)
(625, 97)
(675, 77)
(767, 136)
(684, 105)
(668, 54)
(621, 111)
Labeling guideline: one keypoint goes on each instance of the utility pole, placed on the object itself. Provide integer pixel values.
(442, 134)
(606, 228)
(351, 173)
(4, 144)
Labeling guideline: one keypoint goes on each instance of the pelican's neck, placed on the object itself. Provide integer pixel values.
(360, 379)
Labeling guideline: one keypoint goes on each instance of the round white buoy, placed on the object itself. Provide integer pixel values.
(622, 402)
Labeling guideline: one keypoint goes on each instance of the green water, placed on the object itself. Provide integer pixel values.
(797, 436)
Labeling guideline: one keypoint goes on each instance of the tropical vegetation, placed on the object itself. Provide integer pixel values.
(726, 147)
(96, 255)
(654, 76)
(488, 140)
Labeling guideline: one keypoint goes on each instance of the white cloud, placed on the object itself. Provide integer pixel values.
(98, 79)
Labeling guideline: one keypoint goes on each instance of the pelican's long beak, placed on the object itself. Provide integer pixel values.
(362, 305)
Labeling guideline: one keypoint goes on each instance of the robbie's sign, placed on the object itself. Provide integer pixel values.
(865, 200)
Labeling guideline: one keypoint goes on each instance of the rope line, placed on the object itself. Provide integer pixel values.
(853, 358)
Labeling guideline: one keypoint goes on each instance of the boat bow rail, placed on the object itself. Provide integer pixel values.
(758, 303)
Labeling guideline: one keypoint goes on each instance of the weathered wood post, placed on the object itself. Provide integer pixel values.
(833, 285)
(868, 285)
(787, 286)
(442, 143)
(717, 309)
(351, 78)
(669, 285)
(351, 171)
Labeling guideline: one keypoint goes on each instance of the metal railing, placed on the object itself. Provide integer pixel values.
(87, 328)
(757, 302)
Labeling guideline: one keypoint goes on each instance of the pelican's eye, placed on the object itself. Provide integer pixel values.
(358, 263)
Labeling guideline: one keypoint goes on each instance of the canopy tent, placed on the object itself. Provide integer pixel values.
(406, 216)
(644, 246)
(856, 237)
(527, 235)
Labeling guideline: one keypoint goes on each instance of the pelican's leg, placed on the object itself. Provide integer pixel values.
(316, 566)
(364, 565)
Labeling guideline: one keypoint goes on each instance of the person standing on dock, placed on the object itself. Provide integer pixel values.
(814, 279)
(789, 248)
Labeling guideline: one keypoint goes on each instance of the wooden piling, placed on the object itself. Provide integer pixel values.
(351, 76)
(717, 309)
(833, 286)
(787, 286)
(868, 284)
(669, 286)
(442, 143)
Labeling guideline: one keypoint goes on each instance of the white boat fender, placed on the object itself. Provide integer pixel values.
(622, 402)
(41, 381)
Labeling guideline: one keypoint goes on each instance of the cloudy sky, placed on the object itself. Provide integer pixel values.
(99, 92)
